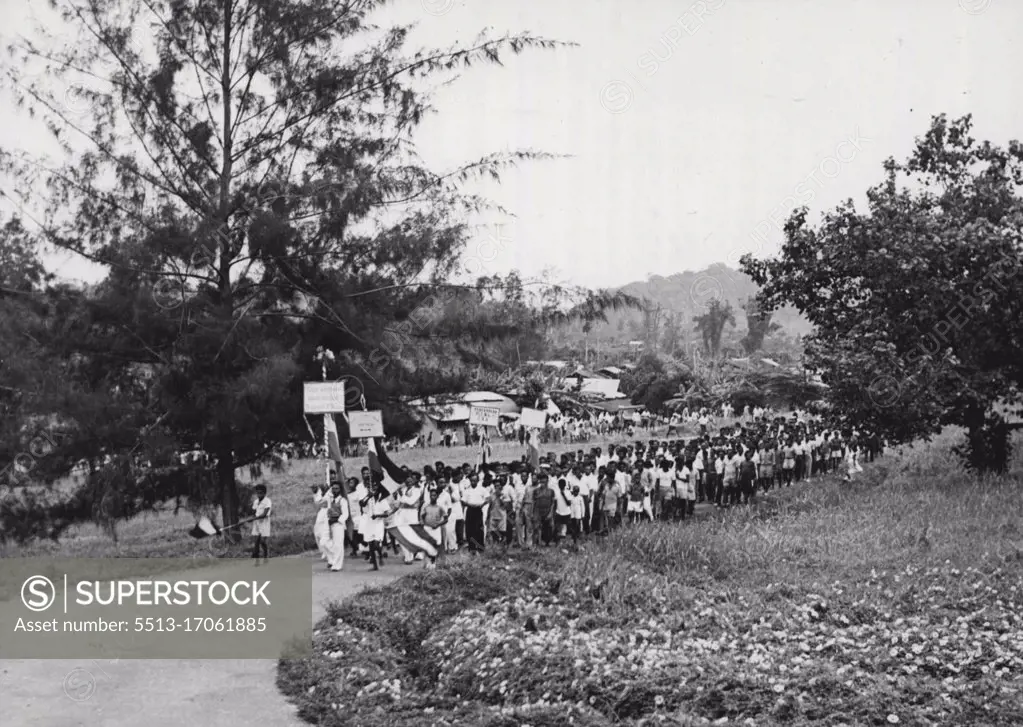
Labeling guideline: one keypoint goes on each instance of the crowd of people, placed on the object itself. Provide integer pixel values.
(583, 427)
(544, 502)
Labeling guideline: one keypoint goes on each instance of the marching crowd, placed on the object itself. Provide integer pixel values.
(543, 502)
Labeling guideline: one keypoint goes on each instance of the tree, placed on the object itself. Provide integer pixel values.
(29, 375)
(918, 300)
(248, 178)
(673, 333)
(711, 325)
(758, 326)
(653, 317)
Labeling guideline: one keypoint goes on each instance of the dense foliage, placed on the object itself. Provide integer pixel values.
(918, 300)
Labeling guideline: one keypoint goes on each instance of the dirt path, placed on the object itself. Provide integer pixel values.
(166, 693)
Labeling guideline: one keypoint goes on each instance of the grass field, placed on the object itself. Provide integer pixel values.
(895, 599)
(165, 535)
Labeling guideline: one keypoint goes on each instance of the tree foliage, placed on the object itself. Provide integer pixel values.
(918, 300)
(247, 176)
(711, 325)
(758, 326)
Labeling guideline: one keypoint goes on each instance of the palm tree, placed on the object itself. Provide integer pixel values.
(711, 325)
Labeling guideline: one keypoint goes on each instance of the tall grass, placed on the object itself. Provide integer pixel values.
(912, 508)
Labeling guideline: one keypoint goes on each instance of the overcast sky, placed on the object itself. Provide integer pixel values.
(691, 125)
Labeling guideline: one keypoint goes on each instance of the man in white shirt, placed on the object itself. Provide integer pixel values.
(508, 499)
(357, 492)
(699, 476)
(686, 488)
(562, 509)
(719, 479)
(667, 496)
(474, 497)
(588, 490)
(578, 513)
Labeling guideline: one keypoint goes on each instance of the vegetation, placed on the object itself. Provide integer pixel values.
(917, 302)
(711, 325)
(664, 322)
(758, 326)
(244, 170)
(897, 598)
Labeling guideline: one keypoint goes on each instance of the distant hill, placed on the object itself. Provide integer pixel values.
(682, 297)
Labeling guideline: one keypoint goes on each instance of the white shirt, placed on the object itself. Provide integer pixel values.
(354, 498)
(261, 507)
(520, 492)
(408, 515)
(665, 479)
(475, 496)
(562, 501)
(444, 501)
(578, 507)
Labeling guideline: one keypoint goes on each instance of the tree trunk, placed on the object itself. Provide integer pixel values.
(987, 442)
(229, 505)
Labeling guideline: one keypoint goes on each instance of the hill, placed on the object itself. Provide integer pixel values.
(681, 297)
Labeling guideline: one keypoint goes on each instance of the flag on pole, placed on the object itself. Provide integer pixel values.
(204, 528)
(377, 468)
(334, 450)
(333, 443)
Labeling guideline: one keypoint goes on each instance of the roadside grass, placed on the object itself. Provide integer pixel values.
(896, 598)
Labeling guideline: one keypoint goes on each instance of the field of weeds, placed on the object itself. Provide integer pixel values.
(894, 599)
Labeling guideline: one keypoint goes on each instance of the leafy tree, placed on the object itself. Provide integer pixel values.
(674, 336)
(918, 300)
(652, 385)
(711, 325)
(758, 326)
(249, 180)
(29, 376)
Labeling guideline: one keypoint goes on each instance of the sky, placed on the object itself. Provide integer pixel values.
(687, 131)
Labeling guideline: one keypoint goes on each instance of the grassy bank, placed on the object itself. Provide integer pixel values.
(897, 598)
